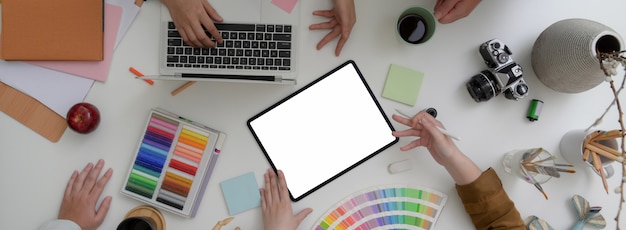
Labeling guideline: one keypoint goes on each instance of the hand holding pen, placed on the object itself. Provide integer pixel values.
(424, 126)
(428, 129)
(433, 113)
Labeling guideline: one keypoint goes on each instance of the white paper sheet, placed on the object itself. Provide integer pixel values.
(129, 12)
(57, 90)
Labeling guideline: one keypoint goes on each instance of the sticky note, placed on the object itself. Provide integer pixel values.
(241, 193)
(402, 84)
(286, 5)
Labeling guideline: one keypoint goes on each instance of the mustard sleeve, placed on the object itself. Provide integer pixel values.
(487, 203)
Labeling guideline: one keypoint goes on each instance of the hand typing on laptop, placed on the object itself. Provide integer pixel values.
(192, 17)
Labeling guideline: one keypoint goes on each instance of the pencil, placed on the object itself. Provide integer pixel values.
(597, 164)
(611, 133)
(139, 74)
(183, 87)
(607, 134)
(600, 151)
(586, 154)
(607, 137)
(605, 148)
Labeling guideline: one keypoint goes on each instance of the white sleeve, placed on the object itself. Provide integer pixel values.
(60, 225)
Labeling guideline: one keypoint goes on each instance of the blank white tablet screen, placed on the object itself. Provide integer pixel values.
(323, 130)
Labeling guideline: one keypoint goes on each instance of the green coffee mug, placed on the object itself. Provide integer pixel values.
(416, 25)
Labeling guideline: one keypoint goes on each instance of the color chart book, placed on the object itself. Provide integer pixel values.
(173, 163)
(385, 207)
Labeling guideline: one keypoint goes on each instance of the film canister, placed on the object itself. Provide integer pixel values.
(534, 110)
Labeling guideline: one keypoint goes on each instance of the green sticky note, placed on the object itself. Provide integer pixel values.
(403, 84)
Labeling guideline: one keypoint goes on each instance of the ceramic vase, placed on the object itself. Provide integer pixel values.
(564, 55)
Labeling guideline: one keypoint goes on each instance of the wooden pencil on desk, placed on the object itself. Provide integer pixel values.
(182, 87)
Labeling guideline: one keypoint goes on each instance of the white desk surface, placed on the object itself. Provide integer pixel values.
(34, 171)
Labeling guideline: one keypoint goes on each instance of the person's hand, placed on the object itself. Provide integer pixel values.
(276, 205)
(341, 20)
(447, 11)
(191, 18)
(81, 195)
(424, 126)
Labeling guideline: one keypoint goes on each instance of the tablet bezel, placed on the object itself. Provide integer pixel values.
(270, 108)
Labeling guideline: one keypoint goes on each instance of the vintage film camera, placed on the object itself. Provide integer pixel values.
(503, 74)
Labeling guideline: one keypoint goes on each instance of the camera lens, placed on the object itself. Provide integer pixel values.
(482, 86)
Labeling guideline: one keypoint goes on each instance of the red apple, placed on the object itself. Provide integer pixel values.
(83, 117)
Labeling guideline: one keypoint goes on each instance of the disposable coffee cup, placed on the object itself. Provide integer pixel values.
(415, 25)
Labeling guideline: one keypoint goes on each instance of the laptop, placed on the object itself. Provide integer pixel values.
(260, 46)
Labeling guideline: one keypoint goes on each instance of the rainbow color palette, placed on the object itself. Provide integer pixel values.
(173, 163)
(387, 207)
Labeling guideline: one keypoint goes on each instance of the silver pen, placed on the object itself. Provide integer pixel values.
(445, 132)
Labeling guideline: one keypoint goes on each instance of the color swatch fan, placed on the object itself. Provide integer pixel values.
(386, 207)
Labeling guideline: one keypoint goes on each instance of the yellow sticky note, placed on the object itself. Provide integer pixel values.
(403, 84)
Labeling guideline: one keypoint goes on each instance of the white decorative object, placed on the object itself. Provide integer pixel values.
(564, 54)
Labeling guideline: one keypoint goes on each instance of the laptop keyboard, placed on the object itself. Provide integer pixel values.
(245, 47)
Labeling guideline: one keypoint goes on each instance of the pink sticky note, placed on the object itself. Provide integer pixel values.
(286, 5)
(96, 70)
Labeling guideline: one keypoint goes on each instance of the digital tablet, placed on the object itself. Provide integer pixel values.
(323, 130)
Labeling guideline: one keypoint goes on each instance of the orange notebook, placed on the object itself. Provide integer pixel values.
(52, 30)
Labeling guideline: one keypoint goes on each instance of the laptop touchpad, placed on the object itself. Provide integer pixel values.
(246, 11)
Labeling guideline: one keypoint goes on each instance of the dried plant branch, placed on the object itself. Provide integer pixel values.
(602, 57)
(621, 190)
(614, 59)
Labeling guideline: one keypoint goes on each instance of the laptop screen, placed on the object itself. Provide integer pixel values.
(323, 130)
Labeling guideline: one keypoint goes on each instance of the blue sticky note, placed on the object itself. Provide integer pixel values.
(241, 193)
